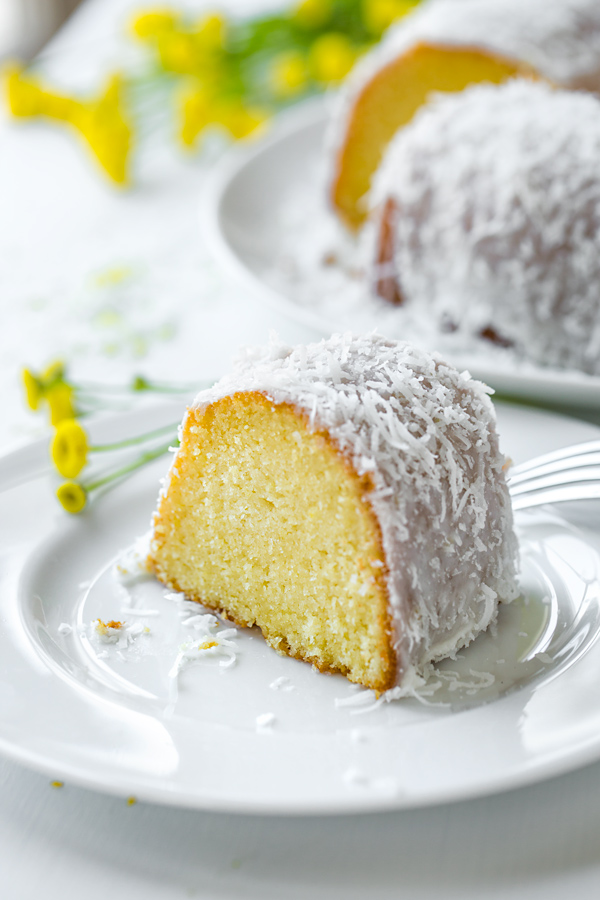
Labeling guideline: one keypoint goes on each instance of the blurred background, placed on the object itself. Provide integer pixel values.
(26, 25)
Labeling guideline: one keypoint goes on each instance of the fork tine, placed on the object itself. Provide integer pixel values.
(561, 494)
(573, 465)
(576, 455)
(583, 475)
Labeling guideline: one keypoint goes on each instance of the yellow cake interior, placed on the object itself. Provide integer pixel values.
(267, 522)
(390, 100)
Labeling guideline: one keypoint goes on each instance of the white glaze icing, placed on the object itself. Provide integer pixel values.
(498, 217)
(426, 435)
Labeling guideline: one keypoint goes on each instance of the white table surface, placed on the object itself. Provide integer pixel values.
(177, 316)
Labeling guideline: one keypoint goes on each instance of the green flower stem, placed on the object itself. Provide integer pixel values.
(142, 460)
(138, 439)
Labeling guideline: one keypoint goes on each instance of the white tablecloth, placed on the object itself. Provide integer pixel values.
(119, 284)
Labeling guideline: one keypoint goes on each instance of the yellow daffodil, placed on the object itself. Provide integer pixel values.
(288, 74)
(69, 448)
(34, 389)
(312, 13)
(380, 14)
(331, 57)
(72, 496)
(152, 24)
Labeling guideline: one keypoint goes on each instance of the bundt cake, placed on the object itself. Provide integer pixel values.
(445, 45)
(486, 219)
(348, 497)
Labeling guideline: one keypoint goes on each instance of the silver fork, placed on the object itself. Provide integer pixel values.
(569, 474)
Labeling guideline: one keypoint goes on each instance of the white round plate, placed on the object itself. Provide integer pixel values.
(269, 734)
(267, 221)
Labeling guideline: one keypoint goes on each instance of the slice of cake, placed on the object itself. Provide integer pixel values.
(444, 46)
(348, 497)
(486, 220)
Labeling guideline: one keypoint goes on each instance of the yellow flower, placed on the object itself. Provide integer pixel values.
(196, 106)
(34, 389)
(211, 31)
(53, 373)
(379, 14)
(331, 57)
(200, 109)
(194, 50)
(102, 122)
(147, 26)
(312, 13)
(61, 402)
(72, 496)
(69, 448)
(288, 74)
(239, 120)
(178, 52)
(23, 92)
(107, 131)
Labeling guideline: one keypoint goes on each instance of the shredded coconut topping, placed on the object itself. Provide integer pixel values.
(425, 433)
(497, 218)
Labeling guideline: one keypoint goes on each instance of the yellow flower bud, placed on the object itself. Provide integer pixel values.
(239, 120)
(152, 24)
(62, 109)
(196, 105)
(69, 448)
(60, 401)
(379, 14)
(288, 74)
(331, 57)
(34, 389)
(211, 31)
(72, 496)
(312, 13)
(178, 52)
(107, 131)
(53, 373)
